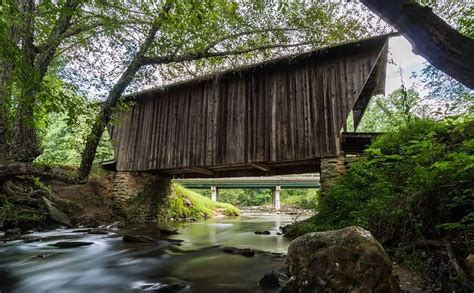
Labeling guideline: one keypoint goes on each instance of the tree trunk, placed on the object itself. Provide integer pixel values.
(108, 108)
(430, 36)
(6, 84)
(25, 145)
(36, 62)
(6, 70)
(25, 139)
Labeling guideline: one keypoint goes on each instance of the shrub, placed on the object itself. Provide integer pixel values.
(415, 181)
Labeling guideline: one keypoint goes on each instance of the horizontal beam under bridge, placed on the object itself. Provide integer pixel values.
(252, 182)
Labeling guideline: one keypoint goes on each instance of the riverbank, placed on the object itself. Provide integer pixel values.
(28, 203)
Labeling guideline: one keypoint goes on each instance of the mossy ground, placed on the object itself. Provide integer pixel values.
(92, 203)
(184, 203)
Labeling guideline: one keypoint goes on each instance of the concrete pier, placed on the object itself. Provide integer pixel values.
(214, 191)
(276, 197)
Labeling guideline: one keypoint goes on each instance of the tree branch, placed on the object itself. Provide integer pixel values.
(108, 107)
(243, 33)
(430, 36)
(201, 55)
(56, 36)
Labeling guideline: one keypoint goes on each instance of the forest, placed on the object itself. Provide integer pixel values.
(66, 66)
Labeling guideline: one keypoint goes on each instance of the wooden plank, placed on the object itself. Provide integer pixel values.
(201, 170)
(260, 166)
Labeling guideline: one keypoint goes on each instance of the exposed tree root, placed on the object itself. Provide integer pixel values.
(462, 277)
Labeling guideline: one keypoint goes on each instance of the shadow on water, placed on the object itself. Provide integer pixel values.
(110, 265)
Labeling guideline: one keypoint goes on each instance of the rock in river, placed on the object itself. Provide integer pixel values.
(56, 214)
(71, 244)
(98, 231)
(345, 260)
(13, 232)
(137, 239)
(241, 251)
(163, 288)
(274, 279)
(168, 232)
(262, 232)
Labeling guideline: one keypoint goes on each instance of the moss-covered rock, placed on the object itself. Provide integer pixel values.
(345, 260)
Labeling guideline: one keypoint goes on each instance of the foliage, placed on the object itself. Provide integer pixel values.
(13, 216)
(63, 141)
(416, 181)
(185, 203)
(385, 113)
(303, 198)
(452, 97)
(195, 28)
(245, 197)
(164, 201)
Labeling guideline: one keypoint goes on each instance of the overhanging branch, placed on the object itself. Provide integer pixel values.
(431, 37)
(56, 36)
(201, 55)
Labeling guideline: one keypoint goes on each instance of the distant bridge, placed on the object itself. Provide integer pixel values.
(276, 183)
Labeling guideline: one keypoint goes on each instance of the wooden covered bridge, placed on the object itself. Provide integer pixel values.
(282, 116)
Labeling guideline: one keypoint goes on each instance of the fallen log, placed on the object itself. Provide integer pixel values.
(21, 169)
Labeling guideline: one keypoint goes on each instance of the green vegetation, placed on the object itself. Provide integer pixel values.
(163, 201)
(242, 197)
(63, 140)
(416, 181)
(302, 198)
(184, 203)
(13, 216)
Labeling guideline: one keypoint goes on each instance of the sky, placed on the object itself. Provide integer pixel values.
(400, 51)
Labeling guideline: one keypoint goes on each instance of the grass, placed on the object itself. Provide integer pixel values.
(184, 203)
(302, 199)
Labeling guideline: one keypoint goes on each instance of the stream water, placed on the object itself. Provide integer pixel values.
(111, 265)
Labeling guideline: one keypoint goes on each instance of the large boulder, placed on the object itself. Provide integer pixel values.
(346, 260)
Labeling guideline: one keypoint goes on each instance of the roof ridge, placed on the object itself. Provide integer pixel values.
(290, 57)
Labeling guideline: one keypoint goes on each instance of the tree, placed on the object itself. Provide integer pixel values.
(35, 57)
(193, 36)
(430, 36)
(8, 31)
(386, 113)
(35, 34)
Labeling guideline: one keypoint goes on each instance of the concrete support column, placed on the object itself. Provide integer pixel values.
(331, 170)
(276, 197)
(214, 192)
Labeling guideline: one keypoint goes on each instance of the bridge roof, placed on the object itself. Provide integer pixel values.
(339, 49)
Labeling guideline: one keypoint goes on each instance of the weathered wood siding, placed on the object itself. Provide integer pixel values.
(287, 110)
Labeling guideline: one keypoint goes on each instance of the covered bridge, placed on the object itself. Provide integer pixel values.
(277, 117)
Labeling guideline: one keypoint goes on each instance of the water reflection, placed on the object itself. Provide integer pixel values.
(110, 265)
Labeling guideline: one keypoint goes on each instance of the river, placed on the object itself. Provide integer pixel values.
(111, 265)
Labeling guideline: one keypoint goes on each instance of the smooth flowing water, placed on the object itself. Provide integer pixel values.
(111, 265)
